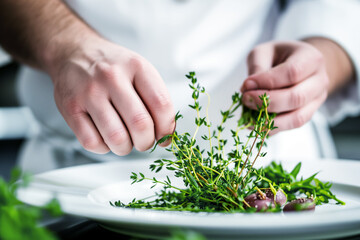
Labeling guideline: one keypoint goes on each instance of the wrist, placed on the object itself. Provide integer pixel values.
(62, 46)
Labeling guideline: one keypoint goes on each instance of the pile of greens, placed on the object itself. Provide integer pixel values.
(215, 180)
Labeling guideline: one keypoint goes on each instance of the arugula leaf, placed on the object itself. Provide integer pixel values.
(296, 170)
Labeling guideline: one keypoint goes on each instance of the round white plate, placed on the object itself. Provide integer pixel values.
(86, 191)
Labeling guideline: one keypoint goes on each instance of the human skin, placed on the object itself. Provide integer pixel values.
(297, 76)
(111, 97)
(114, 99)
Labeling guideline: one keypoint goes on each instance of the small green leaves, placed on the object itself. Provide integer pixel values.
(214, 180)
(160, 141)
(117, 204)
(134, 177)
(200, 121)
(178, 116)
(236, 97)
(195, 95)
(192, 77)
(137, 178)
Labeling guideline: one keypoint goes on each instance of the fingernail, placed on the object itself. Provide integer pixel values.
(249, 102)
(251, 85)
(166, 143)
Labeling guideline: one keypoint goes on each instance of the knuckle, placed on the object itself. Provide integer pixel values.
(162, 102)
(107, 71)
(121, 144)
(299, 120)
(271, 80)
(298, 99)
(141, 122)
(73, 108)
(294, 72)
(92, 89)
(117, 137)
(146, 145)
(91, 144)
(136, 63)
(166, 129)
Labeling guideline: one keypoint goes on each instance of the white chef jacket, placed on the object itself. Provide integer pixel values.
(212, 38)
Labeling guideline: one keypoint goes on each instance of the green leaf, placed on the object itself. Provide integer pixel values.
(178, 116)
(296, 170)
(160, 141)
(217, 178)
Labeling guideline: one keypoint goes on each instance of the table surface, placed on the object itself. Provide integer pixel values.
(74, 228)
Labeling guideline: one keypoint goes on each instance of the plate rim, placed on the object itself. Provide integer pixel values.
(135, 221)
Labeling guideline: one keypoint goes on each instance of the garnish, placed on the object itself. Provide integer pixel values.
(214, 180)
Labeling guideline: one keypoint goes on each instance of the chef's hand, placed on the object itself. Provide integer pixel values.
(297, 76)
(112, 98)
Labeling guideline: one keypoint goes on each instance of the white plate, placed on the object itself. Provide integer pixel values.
(86, 191)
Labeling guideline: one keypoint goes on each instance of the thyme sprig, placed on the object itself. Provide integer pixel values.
(218, 181)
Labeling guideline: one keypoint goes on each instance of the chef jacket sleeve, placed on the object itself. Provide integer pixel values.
(335, 20)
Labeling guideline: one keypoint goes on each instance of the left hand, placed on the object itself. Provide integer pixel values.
(294, 76)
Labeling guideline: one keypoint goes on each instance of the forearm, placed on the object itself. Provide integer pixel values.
(36, 31)
(339, 67)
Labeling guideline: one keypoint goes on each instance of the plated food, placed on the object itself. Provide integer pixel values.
(219, 181)
(86, 190)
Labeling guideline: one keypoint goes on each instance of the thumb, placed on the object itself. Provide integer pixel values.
(260, 59)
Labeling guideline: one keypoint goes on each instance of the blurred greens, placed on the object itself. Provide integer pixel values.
(19, 220)
(185, 235)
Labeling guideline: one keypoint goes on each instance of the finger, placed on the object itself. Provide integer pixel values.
(110, 126)
(288, 99)
(150, 86)
(84, 129)
(299, 66)
(135, 115)
(260, 59)
(299, 117)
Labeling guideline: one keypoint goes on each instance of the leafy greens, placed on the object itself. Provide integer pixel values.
(218, 181)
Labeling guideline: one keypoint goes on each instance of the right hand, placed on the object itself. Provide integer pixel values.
(112, 98)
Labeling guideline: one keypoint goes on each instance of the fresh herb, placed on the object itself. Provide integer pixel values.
(311, 187)
(18, 220)
(215, 180)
